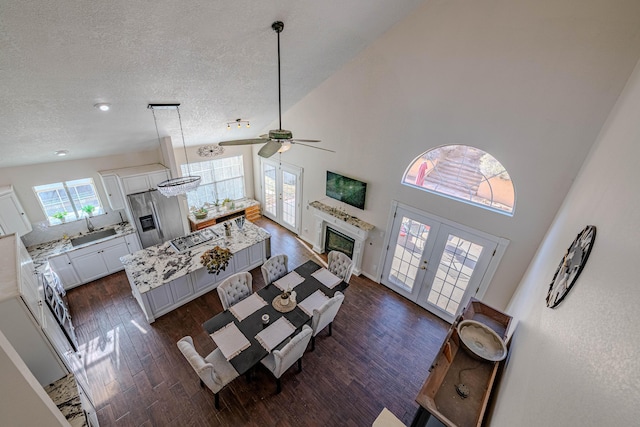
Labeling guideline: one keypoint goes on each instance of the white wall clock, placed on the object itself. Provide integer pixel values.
(571, 266)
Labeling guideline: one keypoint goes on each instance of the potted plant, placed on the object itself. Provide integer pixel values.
(88, 209)
(61, 216)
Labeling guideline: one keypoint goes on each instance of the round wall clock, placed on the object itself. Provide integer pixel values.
(571, 266)
(210, 150)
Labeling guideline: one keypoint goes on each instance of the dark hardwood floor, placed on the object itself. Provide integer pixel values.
(379, 355)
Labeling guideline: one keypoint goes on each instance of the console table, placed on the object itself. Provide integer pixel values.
(247, 207)
(453, 365)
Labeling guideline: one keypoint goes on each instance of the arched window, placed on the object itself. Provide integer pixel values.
(464, 173)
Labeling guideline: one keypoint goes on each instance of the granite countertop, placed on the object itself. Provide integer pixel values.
(160, 264)
(41, 252)
(343, 216)
(217, 212)
(65, 396)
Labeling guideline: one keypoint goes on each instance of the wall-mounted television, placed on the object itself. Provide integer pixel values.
(345, 189)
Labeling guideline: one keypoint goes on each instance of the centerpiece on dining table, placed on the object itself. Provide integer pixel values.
(216, 259)
(285, 302)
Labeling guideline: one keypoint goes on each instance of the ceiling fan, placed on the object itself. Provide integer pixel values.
(277, 139)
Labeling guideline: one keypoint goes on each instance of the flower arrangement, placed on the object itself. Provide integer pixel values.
(216, 259)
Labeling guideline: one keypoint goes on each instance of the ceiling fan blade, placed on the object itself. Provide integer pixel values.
(243, 141)
(313, 146)
(304, 140)
(264, 135)
(269, 149)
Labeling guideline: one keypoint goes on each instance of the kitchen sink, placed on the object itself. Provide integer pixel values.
(77, 241)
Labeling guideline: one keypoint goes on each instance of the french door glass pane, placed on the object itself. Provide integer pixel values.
(270, 197)
(456, 265)
(289, 198)
(408, 253)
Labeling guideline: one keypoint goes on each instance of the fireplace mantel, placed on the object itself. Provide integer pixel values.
(343, 222)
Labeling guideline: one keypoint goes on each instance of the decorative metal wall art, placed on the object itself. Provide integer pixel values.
(571, 266)
(210, 150)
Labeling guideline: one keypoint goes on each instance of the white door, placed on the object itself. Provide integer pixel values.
(282, 193)
(438, 265)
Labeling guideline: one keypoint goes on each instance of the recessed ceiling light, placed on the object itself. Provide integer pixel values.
(103, 106)
(61, 153)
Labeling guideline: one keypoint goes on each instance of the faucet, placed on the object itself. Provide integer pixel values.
(90, 226)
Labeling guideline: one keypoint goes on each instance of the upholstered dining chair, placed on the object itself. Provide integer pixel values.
(340, 265)
(279, 361)
(234, 289)
(274, 268)
(214, 370)
(323, 316)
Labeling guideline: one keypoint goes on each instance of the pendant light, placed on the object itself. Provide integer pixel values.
(183, 184)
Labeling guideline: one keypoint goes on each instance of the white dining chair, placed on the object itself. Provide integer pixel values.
(274, 268)
(280, 360)
(234, 289)
(214, 370)
(323, 316)
(340, 265)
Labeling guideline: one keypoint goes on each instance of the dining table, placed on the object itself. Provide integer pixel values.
(252, 324)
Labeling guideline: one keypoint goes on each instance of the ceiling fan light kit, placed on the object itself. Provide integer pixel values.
(183, 184)
(278, 140)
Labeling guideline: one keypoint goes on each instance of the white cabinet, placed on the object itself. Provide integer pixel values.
(12, 217)
(17, 320)
(113, 190)
(99, 260)
(37, 337)
(181, 289)
(133, 242)
(144, 182)
(61, 264)
(241, 260)
(201, 279)
(160, 299)
(111, 255)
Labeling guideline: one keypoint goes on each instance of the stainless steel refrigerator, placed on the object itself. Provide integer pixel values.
(157, 217)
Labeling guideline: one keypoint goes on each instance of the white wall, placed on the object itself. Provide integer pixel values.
(578, 364)
(17, 386)
(529, 82)
(24, 178)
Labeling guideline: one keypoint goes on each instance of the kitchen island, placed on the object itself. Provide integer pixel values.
(162, 279)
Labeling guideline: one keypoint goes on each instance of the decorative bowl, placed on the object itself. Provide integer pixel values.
(200, 214)
(481, 342)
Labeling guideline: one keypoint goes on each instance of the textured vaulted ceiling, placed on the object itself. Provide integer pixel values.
(217, 58)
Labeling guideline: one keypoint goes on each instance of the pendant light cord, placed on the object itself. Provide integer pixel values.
(183, 144)
(155, 121)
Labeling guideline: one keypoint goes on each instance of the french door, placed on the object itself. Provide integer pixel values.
(282, 193)
(436, 264)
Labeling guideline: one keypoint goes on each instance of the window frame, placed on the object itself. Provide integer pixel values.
(214, 184)
(69, 197)
(495, 170)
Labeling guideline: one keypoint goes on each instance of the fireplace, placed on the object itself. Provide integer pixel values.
(348, 227)
(337, 241)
